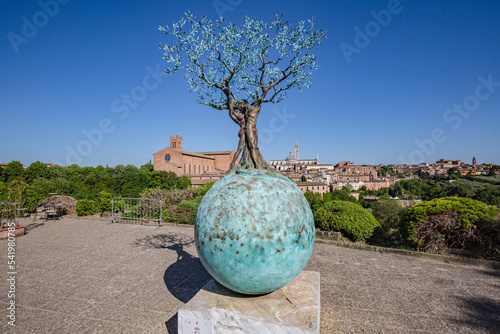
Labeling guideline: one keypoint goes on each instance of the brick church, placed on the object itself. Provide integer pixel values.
(191, 164)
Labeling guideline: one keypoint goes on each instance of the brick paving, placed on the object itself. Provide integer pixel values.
(83, 276)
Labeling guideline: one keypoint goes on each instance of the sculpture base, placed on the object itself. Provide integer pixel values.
(295, 308)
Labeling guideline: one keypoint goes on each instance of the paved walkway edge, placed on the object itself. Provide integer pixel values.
(438, 257)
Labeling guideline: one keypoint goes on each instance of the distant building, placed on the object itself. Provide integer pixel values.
(377, 184)
(315, 187)
(175, 159)
(474, 161)
(292, 161)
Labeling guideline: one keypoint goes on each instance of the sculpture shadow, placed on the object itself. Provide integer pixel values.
(186, 276)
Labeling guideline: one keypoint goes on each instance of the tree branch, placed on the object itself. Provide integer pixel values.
(204, 78)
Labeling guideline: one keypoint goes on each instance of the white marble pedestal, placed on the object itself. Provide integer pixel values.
(215, 309)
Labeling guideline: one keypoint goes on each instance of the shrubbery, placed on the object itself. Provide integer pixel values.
(453, 222)
(168, 197)
(388, 213)
(203, 189)
(349, 218)
(86, 207)
(182, 213)
(104, 201)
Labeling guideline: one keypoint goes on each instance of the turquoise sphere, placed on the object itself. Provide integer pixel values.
(254, 231)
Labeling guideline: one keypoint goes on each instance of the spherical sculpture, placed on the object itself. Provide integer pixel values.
(254, 231)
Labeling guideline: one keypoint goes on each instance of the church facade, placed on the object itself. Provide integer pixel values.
(175, 159)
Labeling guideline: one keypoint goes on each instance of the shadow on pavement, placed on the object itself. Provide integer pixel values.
(185, 277)
(483, 313)
(492, 273)
(171, 325)
(32, 226)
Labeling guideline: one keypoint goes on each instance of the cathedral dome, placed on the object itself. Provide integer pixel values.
(290, 158)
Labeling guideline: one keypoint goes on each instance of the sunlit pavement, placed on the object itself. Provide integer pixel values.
(83, 276)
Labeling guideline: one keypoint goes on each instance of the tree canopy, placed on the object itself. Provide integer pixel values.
(244, 62)
(239, 68)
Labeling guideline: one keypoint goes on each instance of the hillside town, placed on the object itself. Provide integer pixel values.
(309, 174)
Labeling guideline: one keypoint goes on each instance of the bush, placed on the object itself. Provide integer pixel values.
(189, 208)
(456, 221)
(182, 213)
(104, 201)
(203, 189)
(349, 218)
(86, 207)
(168, 197)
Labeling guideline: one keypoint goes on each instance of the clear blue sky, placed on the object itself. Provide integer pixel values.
(64, 74)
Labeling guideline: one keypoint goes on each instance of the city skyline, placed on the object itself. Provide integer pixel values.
(399, 81)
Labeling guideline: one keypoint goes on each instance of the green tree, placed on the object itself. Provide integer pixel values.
(13, 170)
(315, 200)
(454, 173)
(55, 172)
(183, 182)
(148, 167)
(388, 214)
(343, 195)
(436, 191)
(37, 170)
(167, 180)
(303, 178)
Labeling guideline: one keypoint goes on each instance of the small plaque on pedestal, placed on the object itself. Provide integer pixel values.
(215, 309)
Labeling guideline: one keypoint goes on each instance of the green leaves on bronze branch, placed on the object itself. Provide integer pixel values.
(256, 60)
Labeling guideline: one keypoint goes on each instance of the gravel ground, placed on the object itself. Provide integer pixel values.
(83, 276)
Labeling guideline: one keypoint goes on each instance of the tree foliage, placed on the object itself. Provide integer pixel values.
(470, 213)
(93, 183)
(86, 207)
(388, 214)
(483, 188)
(241, 67)
(347, 217)
(37, 170)
(248, 60)
(13, 170)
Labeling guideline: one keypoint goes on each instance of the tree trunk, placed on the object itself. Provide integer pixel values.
(246, 161)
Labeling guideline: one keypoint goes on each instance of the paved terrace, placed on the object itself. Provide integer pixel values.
(81, 276)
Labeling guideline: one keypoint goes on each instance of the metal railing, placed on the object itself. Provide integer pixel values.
(143, 210)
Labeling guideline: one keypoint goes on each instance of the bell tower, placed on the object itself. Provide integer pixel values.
(176, 142)
(296, 151)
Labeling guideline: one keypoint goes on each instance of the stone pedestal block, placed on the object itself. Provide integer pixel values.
(295, 308)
